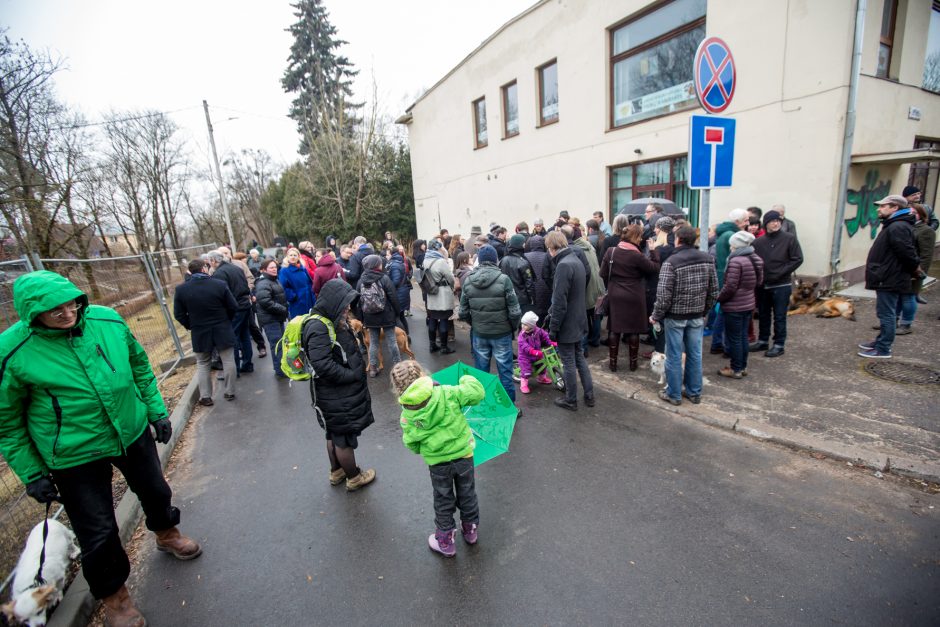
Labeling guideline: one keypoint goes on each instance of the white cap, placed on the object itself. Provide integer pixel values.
(530, 318)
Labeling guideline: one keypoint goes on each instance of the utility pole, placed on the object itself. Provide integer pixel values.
(218, 176)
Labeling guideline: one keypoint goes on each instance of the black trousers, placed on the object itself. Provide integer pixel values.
(86, 495)
(447, 477)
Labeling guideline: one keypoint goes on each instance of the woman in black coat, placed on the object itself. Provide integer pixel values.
(271, 307)
(378, 321)
(340, 390)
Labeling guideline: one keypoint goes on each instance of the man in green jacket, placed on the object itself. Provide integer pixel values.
(488, 301)
(737, 221)
(78, 396)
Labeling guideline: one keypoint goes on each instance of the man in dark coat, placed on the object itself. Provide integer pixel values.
(497, 239)
(569, 323)
(340, 389)
(781, 253)
(519, 270)
(233, 276)
(354, 267)
(539, 260)
(206, 307)
(890, 269)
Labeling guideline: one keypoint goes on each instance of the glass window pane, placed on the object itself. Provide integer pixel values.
(887, 16)
(686, 198)
(511, 107)
(481, 121)
(657, 80)
(932, 58)
(680, 166)
(549, 95)
(654, 173)
(619, 198)
(884, 59)
(658, 23)
(621, 177)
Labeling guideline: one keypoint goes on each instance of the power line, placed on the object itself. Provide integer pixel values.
(124, 119)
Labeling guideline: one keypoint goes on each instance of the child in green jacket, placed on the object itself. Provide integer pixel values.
(433, 425)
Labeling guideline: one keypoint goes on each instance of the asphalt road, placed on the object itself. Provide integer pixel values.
(618, 515)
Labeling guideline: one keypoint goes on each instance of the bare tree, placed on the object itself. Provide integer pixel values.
(249, 174)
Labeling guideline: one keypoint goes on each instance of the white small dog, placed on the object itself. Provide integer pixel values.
(658, 365)
(31, 602)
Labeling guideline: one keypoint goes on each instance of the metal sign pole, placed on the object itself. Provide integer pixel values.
(158, 292)
(703, 220)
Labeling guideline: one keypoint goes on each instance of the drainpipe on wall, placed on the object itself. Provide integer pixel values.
(848, 137)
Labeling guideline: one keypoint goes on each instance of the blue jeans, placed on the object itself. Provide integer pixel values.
(886, 306)
(683, 335)
(907, 308)
(500, 349)
(773, 302)
(718, 330)
(242, 341)
(274, 331)
(736, 323)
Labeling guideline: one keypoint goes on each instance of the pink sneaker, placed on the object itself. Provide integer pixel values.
(443, 542)
(524, 386)
(544, 379)
(469, 531)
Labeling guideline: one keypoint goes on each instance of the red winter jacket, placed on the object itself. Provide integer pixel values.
(327, 269)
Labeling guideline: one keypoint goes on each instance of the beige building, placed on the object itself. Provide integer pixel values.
(583, 105)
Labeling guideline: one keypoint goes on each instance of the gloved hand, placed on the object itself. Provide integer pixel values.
(43, 490)
(554, 344)
(553, 336)
(163, 430)
(537, 353)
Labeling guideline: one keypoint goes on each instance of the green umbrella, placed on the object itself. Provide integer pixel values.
(492, 420)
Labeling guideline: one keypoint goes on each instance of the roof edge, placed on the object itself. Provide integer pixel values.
(476, 50)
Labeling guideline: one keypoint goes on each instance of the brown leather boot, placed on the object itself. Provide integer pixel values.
(120, 611)
(172, 541)
(613, 343)
(634, 350)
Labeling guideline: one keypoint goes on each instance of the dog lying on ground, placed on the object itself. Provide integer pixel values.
(806, 300)
(30, 601)
(401, 338)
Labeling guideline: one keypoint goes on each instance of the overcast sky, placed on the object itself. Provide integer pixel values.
(172, 54)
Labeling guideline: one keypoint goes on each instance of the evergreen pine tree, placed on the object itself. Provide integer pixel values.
(320, 77)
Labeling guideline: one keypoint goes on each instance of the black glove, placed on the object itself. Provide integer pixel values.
(43, 490)
(553, 336)
(163, 430)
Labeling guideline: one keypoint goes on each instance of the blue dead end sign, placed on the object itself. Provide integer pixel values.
(715, 75)
(711, 151)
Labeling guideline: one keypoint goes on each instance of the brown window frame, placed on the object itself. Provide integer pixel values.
(888, 40)
(538, 81)
(476, 124)
(504, 93)
(615, 59)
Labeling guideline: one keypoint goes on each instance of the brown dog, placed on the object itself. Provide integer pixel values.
(401, 338)
(806, 300)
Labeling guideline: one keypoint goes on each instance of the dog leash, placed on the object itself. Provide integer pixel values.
(39, 581)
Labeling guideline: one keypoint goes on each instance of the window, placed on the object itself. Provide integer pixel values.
(932, 60)
(479, 123)
(510, 110)
(925, 174)
(651, 61)
(888, 16)
(548, 93)
(654, 179)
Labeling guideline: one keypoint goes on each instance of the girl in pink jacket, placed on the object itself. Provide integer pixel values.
(531, 341)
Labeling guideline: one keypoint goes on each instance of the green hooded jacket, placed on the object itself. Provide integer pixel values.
(723, 231)
(70, 396)
(432, 420)
(595, 287)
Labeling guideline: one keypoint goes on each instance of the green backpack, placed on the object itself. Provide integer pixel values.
(294, 362)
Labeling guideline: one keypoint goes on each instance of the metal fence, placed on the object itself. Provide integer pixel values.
(140, 288)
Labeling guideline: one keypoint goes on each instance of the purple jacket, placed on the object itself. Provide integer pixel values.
(744, 273)
(529, 342)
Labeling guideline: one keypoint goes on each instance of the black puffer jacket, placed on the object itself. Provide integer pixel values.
(539, 259)
(893, 261)
(388, 316)
(519, 270)
(271, 300)
(342, 391)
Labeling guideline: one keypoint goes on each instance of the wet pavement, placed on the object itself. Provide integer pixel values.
(623, 514)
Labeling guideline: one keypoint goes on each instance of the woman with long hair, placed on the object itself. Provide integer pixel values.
(456, 246)
(297, 284)
(625, 270)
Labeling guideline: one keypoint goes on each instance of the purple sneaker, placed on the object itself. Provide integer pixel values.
(443, 542)
(469, 531)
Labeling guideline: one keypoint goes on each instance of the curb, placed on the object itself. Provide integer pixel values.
(907, 467)
(78, 605)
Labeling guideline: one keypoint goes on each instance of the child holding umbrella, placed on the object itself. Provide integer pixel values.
(433, 426)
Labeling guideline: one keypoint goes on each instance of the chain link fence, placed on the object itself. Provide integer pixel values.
(140, 288)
